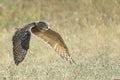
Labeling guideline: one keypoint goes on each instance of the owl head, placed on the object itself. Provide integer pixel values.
(41, 25)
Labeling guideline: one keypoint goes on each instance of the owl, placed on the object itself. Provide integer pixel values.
(21, 40)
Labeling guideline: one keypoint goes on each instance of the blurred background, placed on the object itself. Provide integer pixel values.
(90, 29)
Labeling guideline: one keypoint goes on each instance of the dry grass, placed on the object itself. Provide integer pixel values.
(90, 28)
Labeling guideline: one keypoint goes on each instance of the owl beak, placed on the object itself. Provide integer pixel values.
(48, 27)
(45, 28)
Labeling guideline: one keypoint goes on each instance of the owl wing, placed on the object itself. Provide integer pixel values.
(56, 42)
(20, 41)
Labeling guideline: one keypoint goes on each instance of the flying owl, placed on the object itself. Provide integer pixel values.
(21, 40)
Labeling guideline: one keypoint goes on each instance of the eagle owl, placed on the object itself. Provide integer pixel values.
(21, 40)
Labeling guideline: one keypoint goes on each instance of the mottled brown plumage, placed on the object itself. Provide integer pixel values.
(22, 36)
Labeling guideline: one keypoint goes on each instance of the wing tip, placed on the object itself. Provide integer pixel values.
(68, 58)
(71, 60)
(17, 63)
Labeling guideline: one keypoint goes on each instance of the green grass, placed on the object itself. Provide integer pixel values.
(90, 28)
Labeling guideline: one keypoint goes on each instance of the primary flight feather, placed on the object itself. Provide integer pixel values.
(21, 40)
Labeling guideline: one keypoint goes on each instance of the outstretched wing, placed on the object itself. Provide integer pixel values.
(55, 41)
(21, 41)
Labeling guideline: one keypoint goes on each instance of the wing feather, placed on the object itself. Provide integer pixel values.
(21, 41)
(56, 42)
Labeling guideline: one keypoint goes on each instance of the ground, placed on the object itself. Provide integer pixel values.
(90, 29)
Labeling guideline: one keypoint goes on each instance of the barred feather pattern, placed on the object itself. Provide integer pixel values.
(56, 42)
(21, 41)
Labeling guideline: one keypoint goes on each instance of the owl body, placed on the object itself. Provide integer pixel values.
(21, 40)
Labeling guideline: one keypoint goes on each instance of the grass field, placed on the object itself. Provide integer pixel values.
(90, 29)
